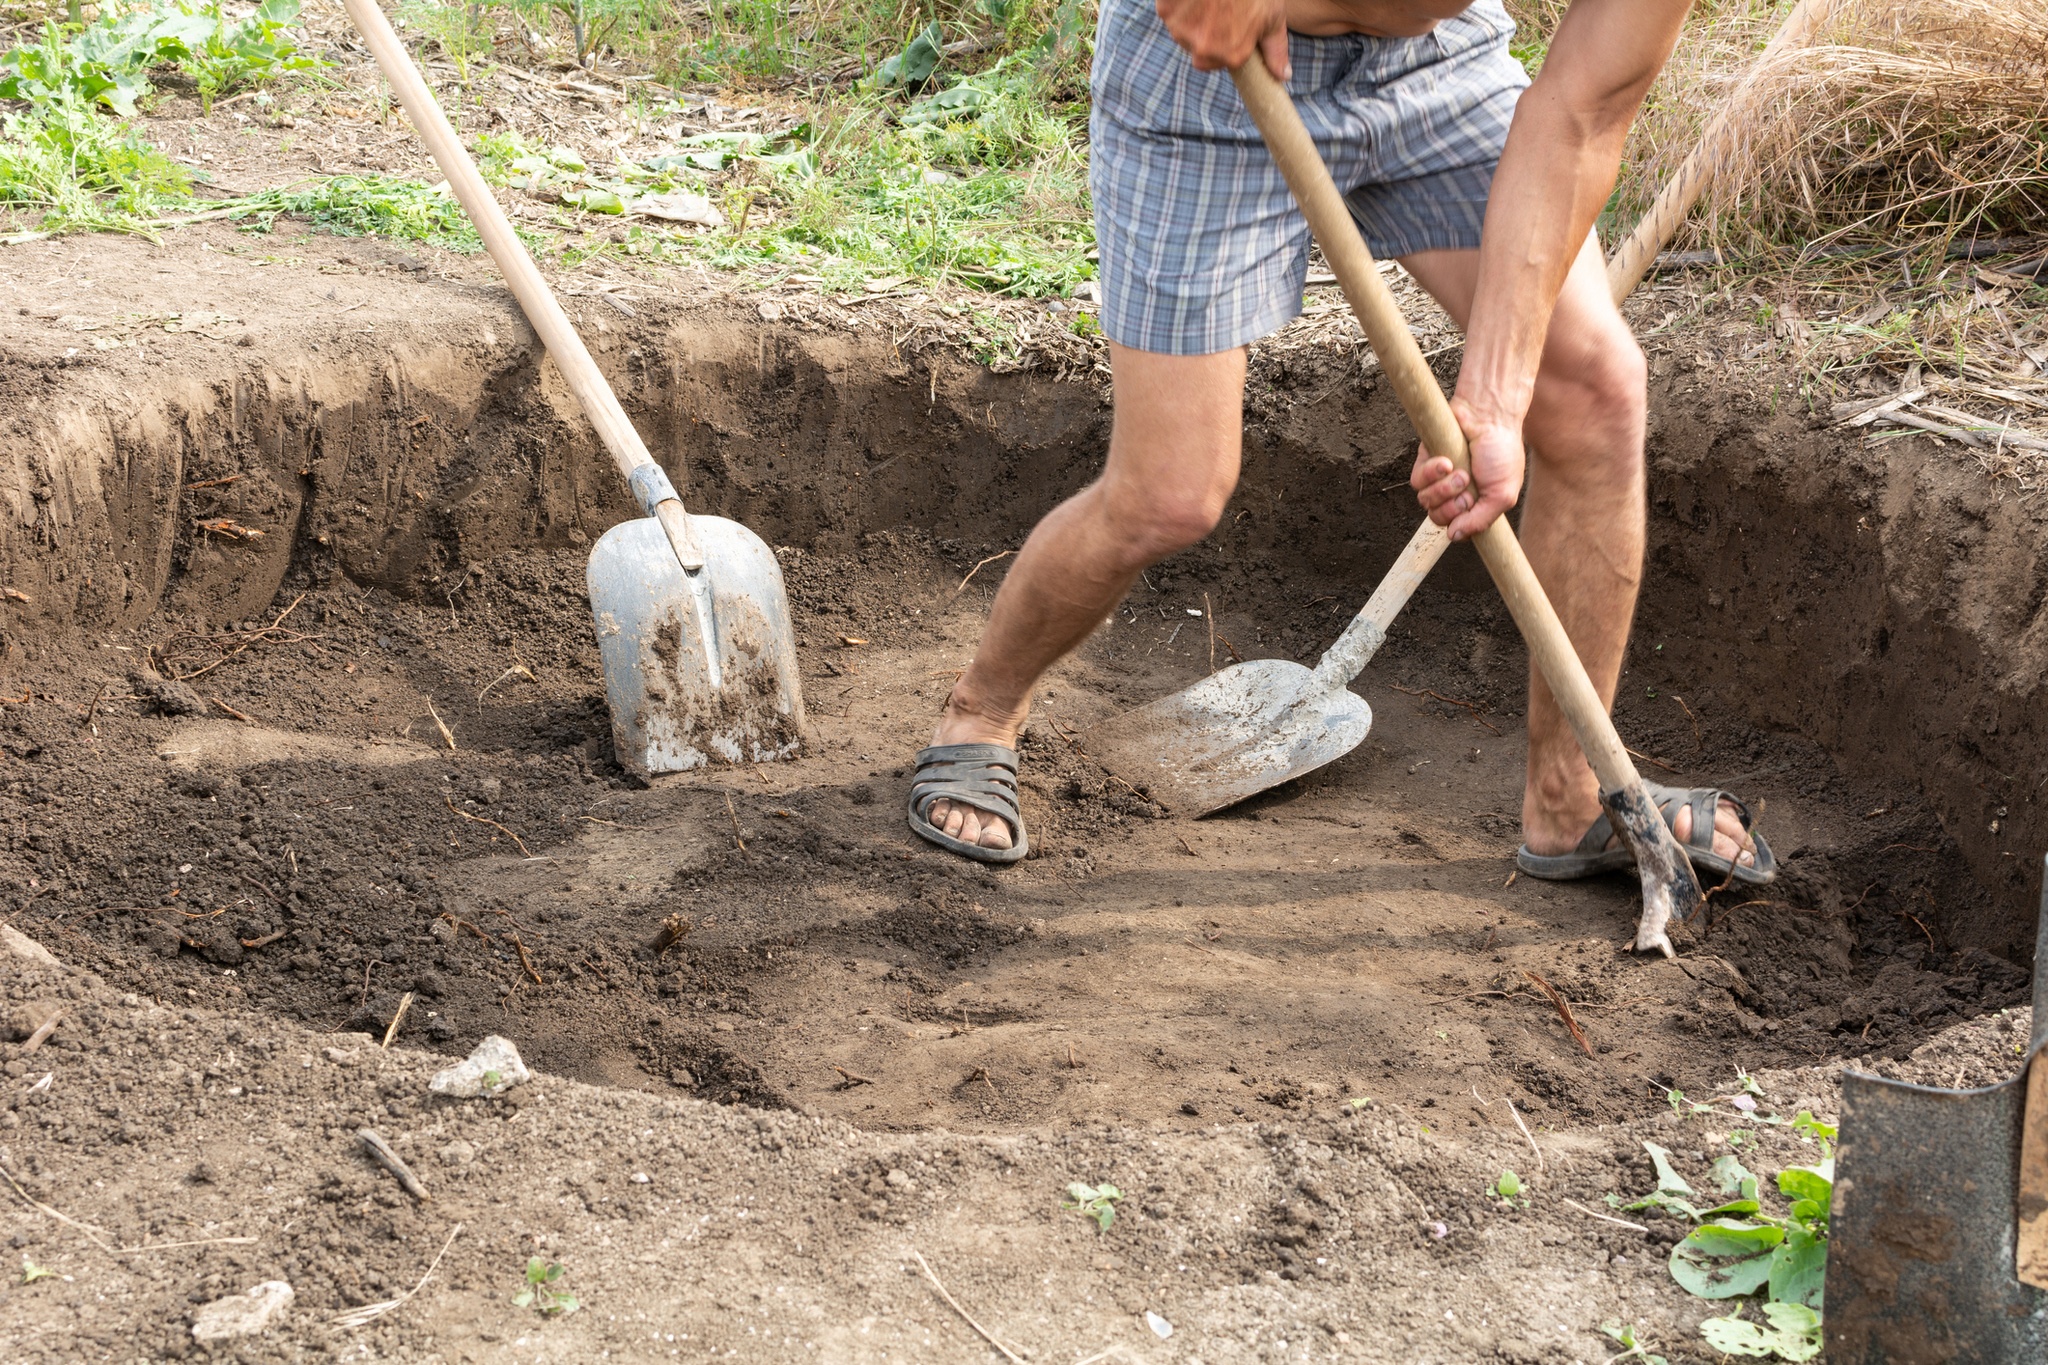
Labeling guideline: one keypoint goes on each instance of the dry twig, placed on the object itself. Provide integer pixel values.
(1564, 1011)
(374, 1143)
(954, 1304)
(397, 1018)
(370, 1312)
(978, 568)
(523, 849)
(1448, 701)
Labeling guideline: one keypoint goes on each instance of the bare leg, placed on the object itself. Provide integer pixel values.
(1582, 525)
(1173, 460)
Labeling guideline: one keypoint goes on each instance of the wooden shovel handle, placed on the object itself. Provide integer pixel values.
(1401, 359)
(1633, 258)
(557, 333)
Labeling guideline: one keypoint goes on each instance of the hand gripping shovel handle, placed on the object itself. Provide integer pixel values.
(1353, 650)
(649, 484)
(1669, 886)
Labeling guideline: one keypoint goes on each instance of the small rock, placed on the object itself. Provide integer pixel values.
(492, 1069)
(489, 789)
(723, 1026)
(442, 930)
(899, 1180)
(22, 1021)
(242, 1315)
(21, 945)
(457, 1153)
(771, 311)
(338, 1057)
(641, 1178)
(1161, 1328)
(171, 697)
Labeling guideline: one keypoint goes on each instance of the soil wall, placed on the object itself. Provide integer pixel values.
(1884, 602)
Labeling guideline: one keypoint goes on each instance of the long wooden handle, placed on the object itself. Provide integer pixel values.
(1633, 258)
(1401, 359)
(557, 333)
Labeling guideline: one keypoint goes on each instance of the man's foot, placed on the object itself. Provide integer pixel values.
(1736, 851)
(957, 819)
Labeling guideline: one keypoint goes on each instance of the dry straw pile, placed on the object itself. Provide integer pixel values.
(1906, 121)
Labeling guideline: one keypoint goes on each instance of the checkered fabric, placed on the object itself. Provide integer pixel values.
(1202, 247)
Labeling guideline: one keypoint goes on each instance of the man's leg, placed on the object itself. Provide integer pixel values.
(1582, 525)
(1173, 460)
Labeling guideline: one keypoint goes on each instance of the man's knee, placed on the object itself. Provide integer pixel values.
(1594, 399)
(1152, 523)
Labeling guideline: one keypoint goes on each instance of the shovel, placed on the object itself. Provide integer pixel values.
(692, 616)
(1669, 886)
(1256, 725)
(1938, 1230)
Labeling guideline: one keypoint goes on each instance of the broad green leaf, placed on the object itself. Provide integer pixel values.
(1816, 1183)
(1669, 1203)
(1805, 1122)
(1729, 1238)
(1730, 1177)
(1712, 1278)
(596, 199)
(1793, 1334)
(1508, 1186)
(913, 66)
(1734, 1208)
(1669, 1181)
(1799, 1269)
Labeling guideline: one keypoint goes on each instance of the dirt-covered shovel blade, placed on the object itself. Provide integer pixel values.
(697, 669)
(692, 618)
(1232, 735)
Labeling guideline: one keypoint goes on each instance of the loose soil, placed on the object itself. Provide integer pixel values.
(228, 798)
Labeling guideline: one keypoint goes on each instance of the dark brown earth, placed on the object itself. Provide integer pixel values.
(226, 787)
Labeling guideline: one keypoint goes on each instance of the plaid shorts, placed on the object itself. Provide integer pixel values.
(1202, 248)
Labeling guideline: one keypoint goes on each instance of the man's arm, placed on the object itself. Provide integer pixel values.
(1563, 152)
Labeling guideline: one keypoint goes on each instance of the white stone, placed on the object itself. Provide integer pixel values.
(242, 1315)
(492, 1069)
(21, 945)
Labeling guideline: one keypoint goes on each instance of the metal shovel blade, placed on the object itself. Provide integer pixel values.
(699, 668)
(1922, 1232)
(1232, 735)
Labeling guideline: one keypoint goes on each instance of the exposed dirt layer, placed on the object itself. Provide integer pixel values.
(364, 754)
(175, 1156)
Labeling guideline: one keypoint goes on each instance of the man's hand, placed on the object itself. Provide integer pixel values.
(1220, 34)
(1449, 494)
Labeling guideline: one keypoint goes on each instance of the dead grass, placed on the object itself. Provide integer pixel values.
(1907, 121)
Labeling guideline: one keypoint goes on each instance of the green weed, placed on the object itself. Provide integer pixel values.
(540, 1293)
(1635, 1348)
(463, 32)
(64, 155)
(31, 1272)
(1094, 1201)
(366, 206)
(1791, 1331)
(1736, 1249)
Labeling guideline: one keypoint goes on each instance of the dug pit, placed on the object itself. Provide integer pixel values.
(305, 714)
